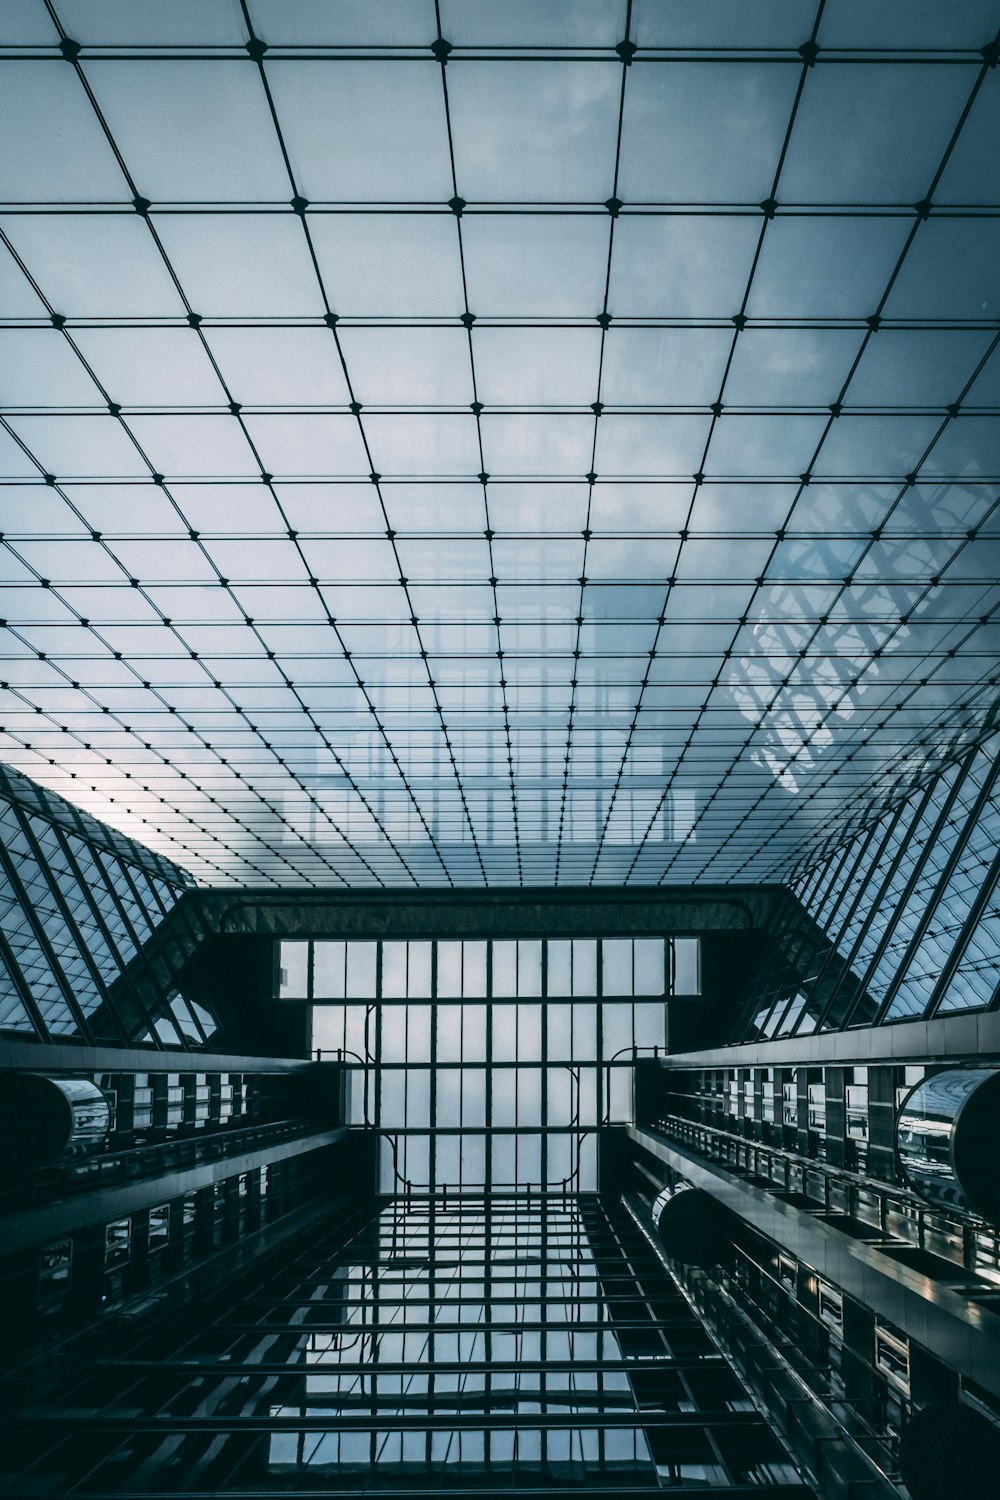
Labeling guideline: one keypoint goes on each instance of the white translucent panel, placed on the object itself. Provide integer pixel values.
(390, 265)
(871, 135)
(328, 970)
(537, 366)
(534, 265)
(703, 135)
(203, 130)
(17, 297)
(183, 22)
(970, 175)
(198, 447)
(664, 366)
(916, 367)
(327, 1029)
(524, 506)
(618, 1105)
(392, 1104)
(687, 978)
(529, 968)
(430, 444)
(151, 366)
(473, 1159)
(505, 968)
(504, 1096)
(677, 266)
(801, 268)
(280, 366)
(393, 970)
(230, 266)
(408, 366)
(558, 23)
(95, 265)
(78, 447)
(537, 445)
(722, 559)
(360, 982)
(73, 161)
(529, 1033)
(649, 1026)
(560, 978)
(419, 970)
(528, 1083)
(462, 1033)
(791, 366)
(317, 445)
(713, 23)
(417, 1032)
(562, 1092)
(359, 1031)
(531, 131)
(875, 446)
(650, 446)
(944, 275)
(363, 131)
(504, 1022)
(905, 23)
(616, 966)
(27, 24)
(293, 971)
(648, 966)
(766, 445)
(39, 368)
(474, 971)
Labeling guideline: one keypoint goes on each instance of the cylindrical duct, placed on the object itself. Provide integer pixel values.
(948, 1139)
(694, 1227)
(948, 1451)
(42, 1119)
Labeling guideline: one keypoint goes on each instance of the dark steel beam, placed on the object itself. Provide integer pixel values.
(939, 1039)
(524, 912)
(64, 1057)
(52, 1221)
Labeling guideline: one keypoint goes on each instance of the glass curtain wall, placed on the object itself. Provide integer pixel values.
(79, 908)
(477, 1345)
(489, 1064)
(905, 918)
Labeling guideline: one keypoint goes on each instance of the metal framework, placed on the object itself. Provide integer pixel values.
(80, 912)
(528, 1345)
(905, 918)
(501, 497)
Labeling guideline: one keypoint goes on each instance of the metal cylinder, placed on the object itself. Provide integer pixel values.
(948, 1451)
(694, 1227)
(948, 1139)
(43, 1119)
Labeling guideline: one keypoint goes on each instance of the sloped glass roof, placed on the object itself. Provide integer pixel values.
(490, 444)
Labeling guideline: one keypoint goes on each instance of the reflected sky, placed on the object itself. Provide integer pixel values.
(499, 454)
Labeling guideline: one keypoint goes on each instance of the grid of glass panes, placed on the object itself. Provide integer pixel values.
(911, 923)
(485, 1347)
(470, 443)
(75, 909)
(489, 1063)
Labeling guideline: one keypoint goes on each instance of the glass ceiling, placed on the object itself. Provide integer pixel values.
(492, 444)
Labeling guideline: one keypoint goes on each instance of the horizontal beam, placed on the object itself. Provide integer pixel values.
(337, 1421)
(370, 1370)
(418, 1472)
(938, 1040)
(961, 1334)
(53, 1221)
(64, 1057)
(522, 912)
